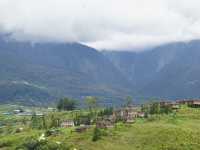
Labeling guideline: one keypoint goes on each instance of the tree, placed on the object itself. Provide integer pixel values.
(34, 121)
(155, 108)
(66, 104)
(82, 119)
(91, 102)
(96, 134)
(106, 112)
(166, 109)
(44, 125)
(54, 121)
(146, 109)
(32, 143)
(38, 122)
(128, 101)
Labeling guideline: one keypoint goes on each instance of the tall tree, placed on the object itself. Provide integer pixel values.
(34, 121)
(91, 102)
(54, 121)
(128, 101)
(66, 104)
(155, 108)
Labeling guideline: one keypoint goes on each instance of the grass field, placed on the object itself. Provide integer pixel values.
(177, 131)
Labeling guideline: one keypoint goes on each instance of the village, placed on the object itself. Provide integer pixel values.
(130, 113)
(59, 126)
(105, 118)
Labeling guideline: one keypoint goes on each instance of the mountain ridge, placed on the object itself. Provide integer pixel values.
(73, 70)
(163, 71)
(54, 70)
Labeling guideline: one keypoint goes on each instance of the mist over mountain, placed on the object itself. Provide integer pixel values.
(37, 73)
(170, 71)
(49, 71)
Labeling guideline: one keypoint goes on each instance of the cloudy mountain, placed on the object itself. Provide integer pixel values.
(51, 70)
(169, 71)
(41, 73)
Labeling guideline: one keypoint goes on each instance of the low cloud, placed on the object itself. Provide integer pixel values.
(103, 24)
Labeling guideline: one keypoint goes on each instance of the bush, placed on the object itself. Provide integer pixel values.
(34, 144)
(5, 143)
(66, 104)
(51, 132)
(153, 118)
(106, 112)
(82, 119)
(96, 134)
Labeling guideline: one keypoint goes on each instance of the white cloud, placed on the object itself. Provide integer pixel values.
(104, 24)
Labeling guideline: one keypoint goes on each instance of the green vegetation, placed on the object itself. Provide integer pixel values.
(96, 134)
(156, 108)
(91, 102)
(173, 131)
(128, 101)
(66, 104)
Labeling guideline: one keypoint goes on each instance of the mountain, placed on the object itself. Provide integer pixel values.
(20, 92)
(40, 73)
(170, 71)
(49, 71)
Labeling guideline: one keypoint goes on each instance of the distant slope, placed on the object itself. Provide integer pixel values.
(44, 72)
(71, 70)
(168, 71)
(22, 93)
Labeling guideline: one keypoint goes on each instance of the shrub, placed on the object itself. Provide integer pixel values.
(152, 118)
(66, 104)
(34, 144)
(96, 134)
(5, 143)
(106, 112)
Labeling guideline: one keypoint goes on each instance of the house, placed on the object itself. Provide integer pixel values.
(196, 103)
(130, 116)
(105, 122)
(17, 111)
(171, 104)
(175, 105)
(127, 114)
(191, 103)
(141, 115)
(67, 124)
(51, 109)
(164, 103)
(25, 114)
(6, 113)
(39, 114)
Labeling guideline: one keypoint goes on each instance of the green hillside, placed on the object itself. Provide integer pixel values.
(49, 71)
(177, 131)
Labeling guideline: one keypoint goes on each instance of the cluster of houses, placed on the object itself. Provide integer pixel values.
(195, 103)
(127, 115)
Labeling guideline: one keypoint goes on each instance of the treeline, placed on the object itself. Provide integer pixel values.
(67, 104)
(156, 108)
(53, 120)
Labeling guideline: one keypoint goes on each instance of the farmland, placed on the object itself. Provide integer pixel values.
(176, 131)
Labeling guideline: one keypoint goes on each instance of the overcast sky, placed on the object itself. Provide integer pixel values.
(103, 24)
